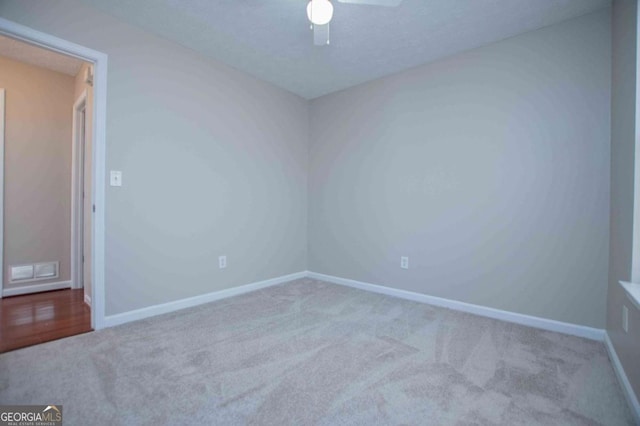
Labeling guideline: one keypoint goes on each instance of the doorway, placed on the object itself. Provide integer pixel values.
(44, 182)
(49, 189)
(99, 61)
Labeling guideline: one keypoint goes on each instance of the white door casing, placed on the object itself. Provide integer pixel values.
(77, 191)
(2, 118)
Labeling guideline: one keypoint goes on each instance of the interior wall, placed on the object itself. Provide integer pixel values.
(214, 163)
(623, 140)
(37, 169)
(488, 169)
(80, 86)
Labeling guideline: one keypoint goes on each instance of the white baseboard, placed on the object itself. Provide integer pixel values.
(87, 299)
(113, 320)
(632, 399)
(35, 288)
(528, 320)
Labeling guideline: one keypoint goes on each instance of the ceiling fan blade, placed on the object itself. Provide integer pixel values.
(321, 34)
(386, 3)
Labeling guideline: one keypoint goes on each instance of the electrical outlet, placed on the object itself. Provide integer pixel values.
(625, 319)
(222, 262)
(404, 262)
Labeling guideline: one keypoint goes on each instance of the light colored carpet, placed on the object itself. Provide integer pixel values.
(309, 352)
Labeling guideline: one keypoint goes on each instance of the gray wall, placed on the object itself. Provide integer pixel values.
(623, 128)
(214, 162)
(489, 169)
(37, 168)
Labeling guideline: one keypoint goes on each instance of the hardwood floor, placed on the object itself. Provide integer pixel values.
(36, 318)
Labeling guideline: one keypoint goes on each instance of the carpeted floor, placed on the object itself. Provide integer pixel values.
(309, 352)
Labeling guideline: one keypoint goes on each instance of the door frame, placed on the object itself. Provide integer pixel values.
(98, 174)
(2, 127)
(78, 157)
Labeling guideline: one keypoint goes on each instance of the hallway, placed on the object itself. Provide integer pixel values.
(36, 318)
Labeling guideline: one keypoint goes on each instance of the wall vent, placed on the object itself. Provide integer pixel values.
(21, 273)
(34, 272)
(46, 270)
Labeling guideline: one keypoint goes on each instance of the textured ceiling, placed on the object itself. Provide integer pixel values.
(271, 40)
(24, 52)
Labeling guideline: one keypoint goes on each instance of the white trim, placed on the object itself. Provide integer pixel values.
(632, 399)
(33, 278)
(528, 320)
(87, 299)
(2, 116)
(77, 201)
(99, 60)
(36, 288)
(151, 311)
(633, 292)
(635, 250)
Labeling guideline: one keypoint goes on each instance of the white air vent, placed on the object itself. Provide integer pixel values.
(36, 272)
(21, 273)
(46, 270)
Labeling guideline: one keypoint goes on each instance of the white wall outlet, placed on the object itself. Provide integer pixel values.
(222, 262)
(625, 319)
(404, 262)
(115, 178)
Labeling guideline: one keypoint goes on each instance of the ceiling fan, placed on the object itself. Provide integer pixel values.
(320, 13)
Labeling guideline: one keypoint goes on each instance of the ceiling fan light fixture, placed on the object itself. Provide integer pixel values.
(319, 12)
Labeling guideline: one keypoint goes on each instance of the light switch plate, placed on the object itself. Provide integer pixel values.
(116, 178)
